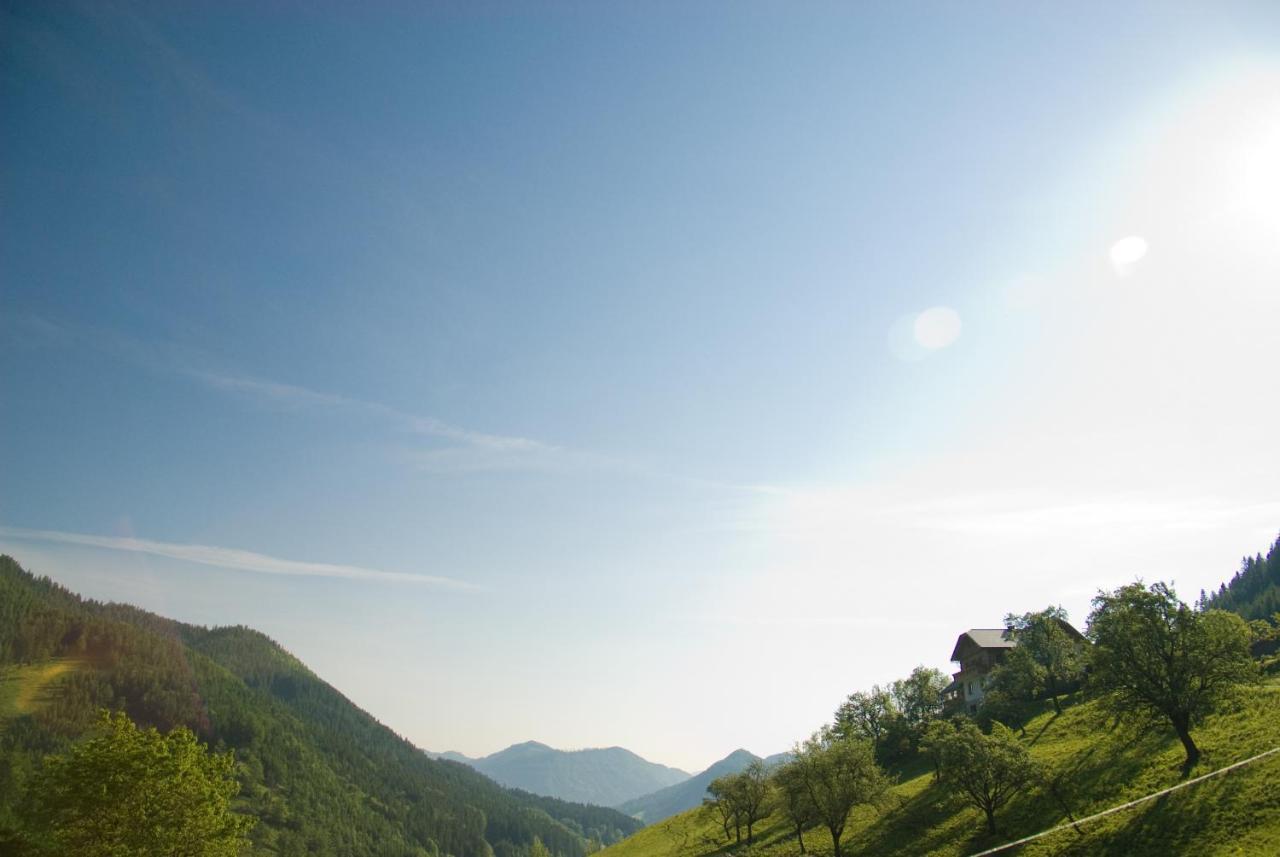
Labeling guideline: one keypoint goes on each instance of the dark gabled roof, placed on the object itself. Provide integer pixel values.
(984, 638)
(999, 638)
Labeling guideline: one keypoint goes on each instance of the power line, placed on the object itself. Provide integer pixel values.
(1124, 806)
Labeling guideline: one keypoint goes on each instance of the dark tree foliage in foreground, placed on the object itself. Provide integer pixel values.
(134, 791)
(1156, 657)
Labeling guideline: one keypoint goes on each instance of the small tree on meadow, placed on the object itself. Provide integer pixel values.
(839, 774)
(752, 791)
(987, 770)
(794, 800)
(724, 804)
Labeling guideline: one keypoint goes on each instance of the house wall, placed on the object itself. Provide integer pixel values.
(974, 675)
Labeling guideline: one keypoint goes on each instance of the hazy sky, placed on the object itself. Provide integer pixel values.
(638, 374)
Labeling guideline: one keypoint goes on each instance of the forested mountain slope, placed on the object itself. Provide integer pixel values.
(605, 776)
(1254, 591)
(320, 775)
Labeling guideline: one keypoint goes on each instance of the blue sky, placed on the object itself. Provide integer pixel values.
(547, 371)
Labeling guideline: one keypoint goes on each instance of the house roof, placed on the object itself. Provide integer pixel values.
(983, 638)
(998, 638)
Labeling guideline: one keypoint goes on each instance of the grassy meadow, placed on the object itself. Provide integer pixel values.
(24, 689)
(1095, 763)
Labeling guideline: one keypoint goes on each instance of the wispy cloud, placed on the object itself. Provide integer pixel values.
(303, 396)
(234, 559)
(471, 449)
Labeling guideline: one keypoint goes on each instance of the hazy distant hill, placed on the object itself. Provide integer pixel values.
(605, 777)
(451, 756)
(688, 794)
(320, 775)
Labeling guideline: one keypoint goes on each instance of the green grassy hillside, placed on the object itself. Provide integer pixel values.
(1100, 765)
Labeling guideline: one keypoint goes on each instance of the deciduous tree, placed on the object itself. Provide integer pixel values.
(1160, 658)
(793, 798)
(1056, 657)
(723, 801)
(136, 791)
(918, 697)
(865, 714)
(839, 774)
(752, 790)
(987, 770)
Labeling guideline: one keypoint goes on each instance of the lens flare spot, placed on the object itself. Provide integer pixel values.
(937, 327)
(1127, 252)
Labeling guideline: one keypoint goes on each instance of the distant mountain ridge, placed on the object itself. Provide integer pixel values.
(604, 776)
(674, 799)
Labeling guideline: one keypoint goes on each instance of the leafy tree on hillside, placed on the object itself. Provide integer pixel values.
(866, 714)
(987, 770)
(917, 700)
(1160, 658)
(723, 808)
(794, 799)
(1006, 701)
(931, 743)
(1048, 658)
(742, 798)
(839, 774)
(919, 696)
(135, 791)
(753, 790)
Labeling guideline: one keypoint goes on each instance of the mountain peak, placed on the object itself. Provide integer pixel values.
(604, 776)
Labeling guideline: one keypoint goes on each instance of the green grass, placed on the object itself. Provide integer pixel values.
(1102, 764)
(23, 689)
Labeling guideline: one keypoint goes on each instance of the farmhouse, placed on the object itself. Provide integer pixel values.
(978, 651)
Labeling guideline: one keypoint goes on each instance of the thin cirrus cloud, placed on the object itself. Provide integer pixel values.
(295, 395)
(235, 559)
(477, 449)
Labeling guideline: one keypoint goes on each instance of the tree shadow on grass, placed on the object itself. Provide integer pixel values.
(919, 824)
(1216, 812)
